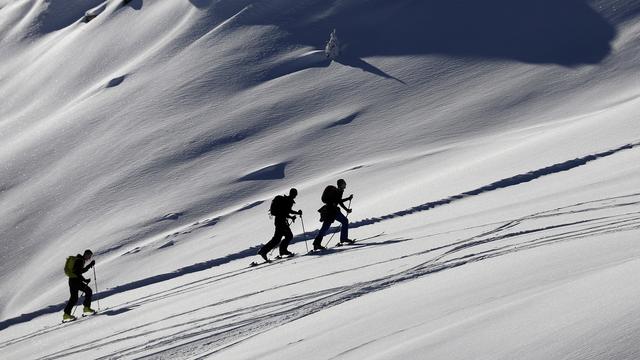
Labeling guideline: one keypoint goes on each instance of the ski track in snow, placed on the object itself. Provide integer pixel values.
(248, 253)
(170, 338)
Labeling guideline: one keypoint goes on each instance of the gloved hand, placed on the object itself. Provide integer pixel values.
(350, 197)
(86, 281)
(300, 212)
(92, 263)
(349, 211)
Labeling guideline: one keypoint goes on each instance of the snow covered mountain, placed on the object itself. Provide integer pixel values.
(491, 146)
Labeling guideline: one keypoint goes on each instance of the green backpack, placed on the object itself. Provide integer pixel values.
(68, 266)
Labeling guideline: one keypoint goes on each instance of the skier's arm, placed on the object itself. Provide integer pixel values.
(292, 217)
(291, 212)
(344, 207)
(79, 270)
(86, 268)
(346, 199)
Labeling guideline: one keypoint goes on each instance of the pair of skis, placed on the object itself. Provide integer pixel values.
(340, 244)
(75, 319)
(279, 258)
(82, 317)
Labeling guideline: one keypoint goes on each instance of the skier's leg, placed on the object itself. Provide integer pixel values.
(321, 233)
(288, 235)
(344, 228)
(277, 235)
(88, 294)
(73, 297)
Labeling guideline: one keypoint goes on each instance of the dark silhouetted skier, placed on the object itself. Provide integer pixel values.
(74, 268)
(281, 208)
(332, 199)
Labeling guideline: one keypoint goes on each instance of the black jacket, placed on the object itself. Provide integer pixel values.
(287, 207)
(79, 268)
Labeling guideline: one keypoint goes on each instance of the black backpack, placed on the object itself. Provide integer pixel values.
(330, 195)
(278, 206)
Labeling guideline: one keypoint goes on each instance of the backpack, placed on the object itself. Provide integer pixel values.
(330, 195)
(68, 266)
(278, 206)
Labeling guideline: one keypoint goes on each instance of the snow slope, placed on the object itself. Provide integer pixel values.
(492, 148)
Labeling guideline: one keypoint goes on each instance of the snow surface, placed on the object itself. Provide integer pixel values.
(491, 146)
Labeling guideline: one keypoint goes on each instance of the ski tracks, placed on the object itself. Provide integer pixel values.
(211, 335)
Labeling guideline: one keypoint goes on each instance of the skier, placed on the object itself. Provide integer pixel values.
(74, 268)
(281, 209)
(332, 198)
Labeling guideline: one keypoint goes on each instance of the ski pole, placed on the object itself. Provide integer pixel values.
(304, 233)
(331, 238)
(96, 282)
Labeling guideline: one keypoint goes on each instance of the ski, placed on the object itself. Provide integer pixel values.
(255, 263)
(340, 244)
(324, 251)
(276, 259)
(82, 317)
(316, 251)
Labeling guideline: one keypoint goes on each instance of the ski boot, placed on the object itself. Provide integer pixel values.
(263, 254)
(286, 253)
(87, 311)
(67, 317)
(345, 242)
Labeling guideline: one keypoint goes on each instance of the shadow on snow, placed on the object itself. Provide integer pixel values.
(202, 266)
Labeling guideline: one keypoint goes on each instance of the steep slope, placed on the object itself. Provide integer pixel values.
(156, 132)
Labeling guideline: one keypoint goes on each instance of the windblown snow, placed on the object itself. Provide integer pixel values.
(491, 146)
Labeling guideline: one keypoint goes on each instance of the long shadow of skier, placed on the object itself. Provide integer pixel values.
(221, 330)
(509, 236)
(501, 184)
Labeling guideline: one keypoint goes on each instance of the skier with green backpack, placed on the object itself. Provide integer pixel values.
(74, 268)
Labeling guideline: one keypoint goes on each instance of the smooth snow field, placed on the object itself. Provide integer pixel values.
(492, 148)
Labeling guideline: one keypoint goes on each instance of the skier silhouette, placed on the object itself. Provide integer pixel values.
(74, 268)
(332, 198)
(281, 209)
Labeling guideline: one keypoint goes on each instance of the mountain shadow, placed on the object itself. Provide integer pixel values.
(564, 32)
